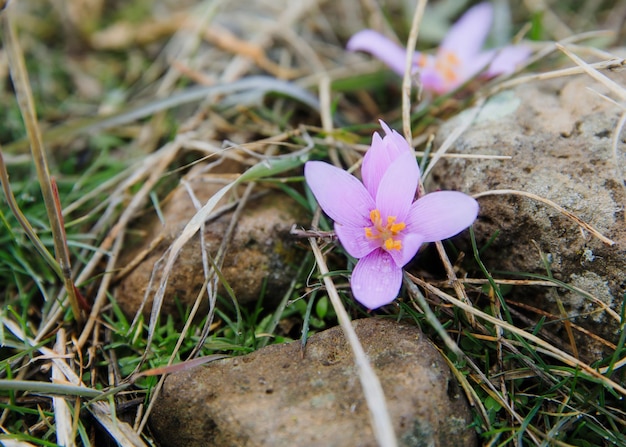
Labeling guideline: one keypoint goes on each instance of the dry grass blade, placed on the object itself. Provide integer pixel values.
(264, 168)
(517, 282)
(458, 287)
(374, 395)
(14, 443)
(612, 64)
(363, 148)
(119, 430)
(417, 296)
(26, 103)
(450, 140)
(226, 40)
(594, 73)
(292, 14)
(406, 121)
(615, 88)
(116, 236)
(255, 87)
(452, 278)
(464, 156)
(541, 344)
(211, 270)
(407, 79)
(326, 116)
(62, 412)
(150, 167)
(123, 433)
(410, 281)
(552, 317)
(192, 227)
(548, 202)
(567, 324)
(545, 283)
(178, 367)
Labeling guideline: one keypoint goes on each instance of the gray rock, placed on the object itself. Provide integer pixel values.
(261, 248)
(280, 396)
(559, 134)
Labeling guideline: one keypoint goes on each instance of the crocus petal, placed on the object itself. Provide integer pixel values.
(442, 214)
(380, 155)
(411, 242)
(507, 59)
(394, 142)
(476, 65)
(375, 163)
(380, 47)
(432, 81)
(341, 195)
(467, 35)
(376, 279)
(354, 241)
(397, 187)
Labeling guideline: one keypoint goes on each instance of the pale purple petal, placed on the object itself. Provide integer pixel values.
(397, 187)
(476, 65)
(341, 195)
(411, 242)
(507, 59)
(388, 130)
(354, 241)
(380, 47)
(433, 81)
(380, 155)
(467, 36)
(375, 162)
(395, 142)
(441, 215)
(376, 279)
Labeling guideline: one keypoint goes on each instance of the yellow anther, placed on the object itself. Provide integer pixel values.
(447, 64)
(449, 75)
(396, 228)
(385, 233)
(451, 58)
(391, 244)
(375, 217)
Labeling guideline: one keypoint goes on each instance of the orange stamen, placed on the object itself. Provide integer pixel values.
(448, 64)
(386, 233)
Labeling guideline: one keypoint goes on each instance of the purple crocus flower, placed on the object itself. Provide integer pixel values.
(458, 58)
(378, 221)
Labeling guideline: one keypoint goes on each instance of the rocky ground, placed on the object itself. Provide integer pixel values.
(284, 394)
(559, 151)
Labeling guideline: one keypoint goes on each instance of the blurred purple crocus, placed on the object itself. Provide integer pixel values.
(458, 58)
(378, 221)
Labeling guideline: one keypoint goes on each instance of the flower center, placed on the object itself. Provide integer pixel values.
(448, 63)
(387, 232)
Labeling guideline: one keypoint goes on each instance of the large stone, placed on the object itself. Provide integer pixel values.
(261, 255)
(559, 135)
(280, 396)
